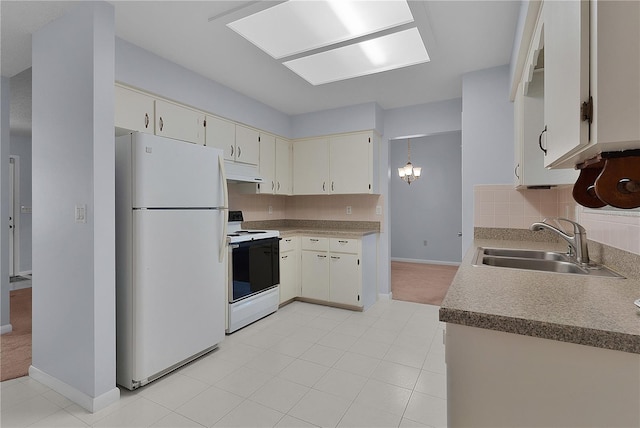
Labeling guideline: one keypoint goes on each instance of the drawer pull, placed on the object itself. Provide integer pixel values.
(335, 257)
(284, 257)
(343, 242)
(321, 256)
(313, 240)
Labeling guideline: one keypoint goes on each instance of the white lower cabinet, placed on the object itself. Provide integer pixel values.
(334, 270)
(289, 268)
(314, 266)
(344, 284)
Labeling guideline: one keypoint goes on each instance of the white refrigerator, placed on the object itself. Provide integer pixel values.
(171, 214)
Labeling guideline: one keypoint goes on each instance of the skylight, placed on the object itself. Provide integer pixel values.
(298, 26)
(389, 52)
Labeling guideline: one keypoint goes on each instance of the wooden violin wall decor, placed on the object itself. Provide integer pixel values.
(611, 178)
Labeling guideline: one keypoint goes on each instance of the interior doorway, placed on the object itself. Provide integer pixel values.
(426, 216)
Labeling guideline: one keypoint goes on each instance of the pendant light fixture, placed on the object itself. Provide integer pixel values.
(409, 173)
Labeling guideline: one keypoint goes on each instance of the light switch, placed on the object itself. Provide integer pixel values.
(81, 213)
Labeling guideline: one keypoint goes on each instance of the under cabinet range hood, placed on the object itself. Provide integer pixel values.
(242, 172)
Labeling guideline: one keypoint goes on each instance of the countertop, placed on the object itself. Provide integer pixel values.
(328, 228)
(586, 310)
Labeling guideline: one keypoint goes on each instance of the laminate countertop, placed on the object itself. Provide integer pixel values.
(328, 228)
(586, 310)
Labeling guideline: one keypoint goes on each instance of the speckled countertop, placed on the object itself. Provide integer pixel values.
(586, 310)
(335, 229)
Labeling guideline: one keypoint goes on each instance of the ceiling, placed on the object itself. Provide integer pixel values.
(460, 36)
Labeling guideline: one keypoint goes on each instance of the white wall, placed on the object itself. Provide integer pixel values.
(487, 137)
(73, 163)
(359, 117)
(21, 146)
(430, 208)
(5, 325)
(145, 70)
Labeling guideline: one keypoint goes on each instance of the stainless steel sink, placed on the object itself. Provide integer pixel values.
(542, 261)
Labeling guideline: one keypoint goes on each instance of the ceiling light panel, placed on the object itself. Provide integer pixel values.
(393, 51)
(298, 26)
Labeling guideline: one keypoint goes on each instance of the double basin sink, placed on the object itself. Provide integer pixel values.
(537, 260)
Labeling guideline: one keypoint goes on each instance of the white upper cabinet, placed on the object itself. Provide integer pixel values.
(351, 163)
(137, 111)
(311, 166)
(247, 149)
(338, 164)
(181, 123)
(284, 157)
(221, 134)
(267, 164)
(591, 51)
(134, 110)
(566, 77)
(529, 170)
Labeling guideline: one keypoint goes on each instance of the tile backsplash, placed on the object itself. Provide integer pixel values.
(502, 206)
(320, 207)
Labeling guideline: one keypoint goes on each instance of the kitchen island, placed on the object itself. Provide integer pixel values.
(527, 348)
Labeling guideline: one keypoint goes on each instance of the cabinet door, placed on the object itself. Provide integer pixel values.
(566, 80)
(267, 164)
(181, 123)
(289, 278)
(134, 111)
(314, 272)
(345, 279)
(532, 171)
(351, 163)
(221, 134)
(284, 183)
(311, 167)
(247, 145)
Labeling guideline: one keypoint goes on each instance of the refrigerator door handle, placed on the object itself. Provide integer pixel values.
(225, 207)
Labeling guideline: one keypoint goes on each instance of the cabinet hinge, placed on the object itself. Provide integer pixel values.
(586, 110)
(358, 262)
(369, 186)
(369, 139)
(258, 138)
(358, 297)
(205, 123)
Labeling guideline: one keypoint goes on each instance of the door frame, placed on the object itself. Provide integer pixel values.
(14, 214)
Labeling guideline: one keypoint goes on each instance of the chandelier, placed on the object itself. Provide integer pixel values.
(409, 173)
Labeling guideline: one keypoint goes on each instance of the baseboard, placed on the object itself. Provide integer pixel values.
(426, 262)
(383, 296)
(92, 404)
(25, 273)
(7, 328)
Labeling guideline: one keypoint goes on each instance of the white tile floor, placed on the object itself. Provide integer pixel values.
(306, 365)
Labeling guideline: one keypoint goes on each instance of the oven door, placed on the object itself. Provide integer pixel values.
(254, 267)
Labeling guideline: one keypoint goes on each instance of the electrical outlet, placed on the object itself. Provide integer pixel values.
(349, 209)
(378, 210)
(270, 209)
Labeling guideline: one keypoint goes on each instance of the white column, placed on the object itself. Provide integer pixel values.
(73, 172)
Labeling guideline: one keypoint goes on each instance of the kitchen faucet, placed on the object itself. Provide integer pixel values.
(577, 242)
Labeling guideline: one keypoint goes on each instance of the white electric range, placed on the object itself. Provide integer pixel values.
(254, 273)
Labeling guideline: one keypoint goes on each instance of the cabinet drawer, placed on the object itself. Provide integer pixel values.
(340, 245)
(314, 243)
(289, 243)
